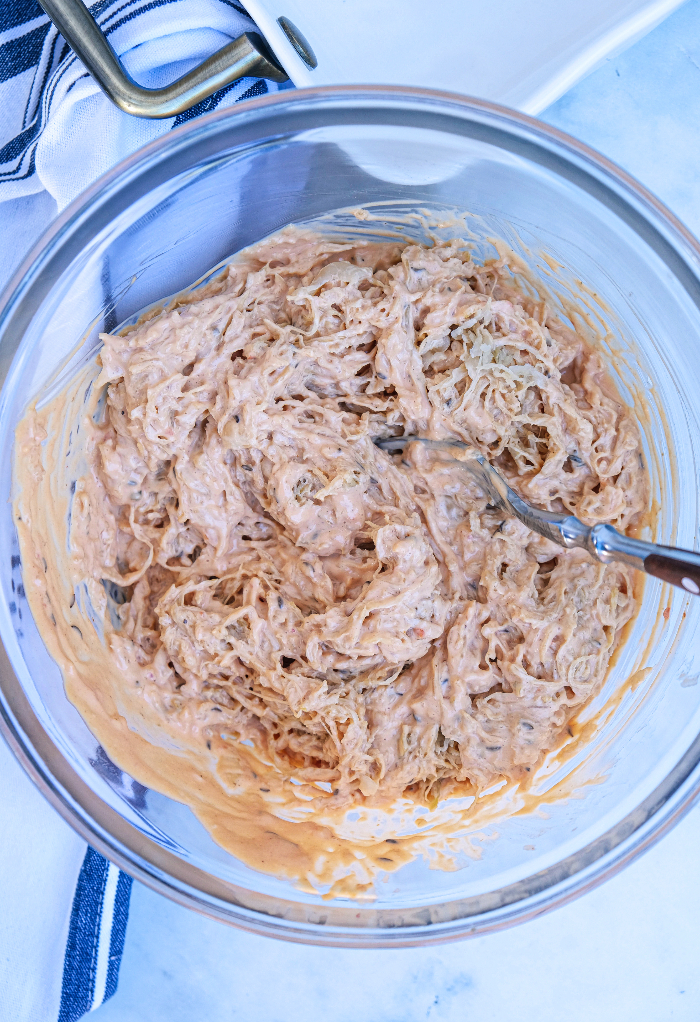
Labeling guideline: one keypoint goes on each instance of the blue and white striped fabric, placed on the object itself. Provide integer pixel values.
(61, 941)
(57, 130)
(95, 937)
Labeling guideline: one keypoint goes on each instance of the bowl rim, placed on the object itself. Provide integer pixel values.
(188, 885)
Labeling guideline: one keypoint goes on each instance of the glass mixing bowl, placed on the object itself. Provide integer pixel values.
(165, 216)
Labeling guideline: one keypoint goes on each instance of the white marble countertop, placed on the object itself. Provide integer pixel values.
(627, 950)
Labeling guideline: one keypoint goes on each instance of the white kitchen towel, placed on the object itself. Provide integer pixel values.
(58, 131)
(64, 907)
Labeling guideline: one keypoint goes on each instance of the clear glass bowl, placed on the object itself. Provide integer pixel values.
(164, 217)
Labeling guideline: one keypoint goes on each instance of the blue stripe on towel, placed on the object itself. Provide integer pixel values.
(121, 917)
(21, 53)
(17, 12)
(95, 937)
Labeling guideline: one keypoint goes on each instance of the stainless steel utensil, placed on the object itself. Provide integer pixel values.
(248, 55)
(679, 567)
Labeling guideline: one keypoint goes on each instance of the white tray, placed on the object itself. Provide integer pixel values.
(522, 53)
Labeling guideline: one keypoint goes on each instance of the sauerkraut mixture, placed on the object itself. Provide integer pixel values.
(367, 622)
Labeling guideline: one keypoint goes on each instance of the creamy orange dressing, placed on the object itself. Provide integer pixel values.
(296, 623)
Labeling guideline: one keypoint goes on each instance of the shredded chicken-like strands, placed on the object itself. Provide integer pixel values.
(367, 622)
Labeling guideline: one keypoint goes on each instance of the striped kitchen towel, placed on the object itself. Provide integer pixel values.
(95, 936)
(64, 910)
(63, 923)
(58, 131)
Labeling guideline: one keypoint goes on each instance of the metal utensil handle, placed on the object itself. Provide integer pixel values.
(678, 567)
(246, 56)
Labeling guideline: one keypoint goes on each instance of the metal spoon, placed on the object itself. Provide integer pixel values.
(679, 567)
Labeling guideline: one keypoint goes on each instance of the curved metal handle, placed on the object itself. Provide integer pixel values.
(247, 55)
